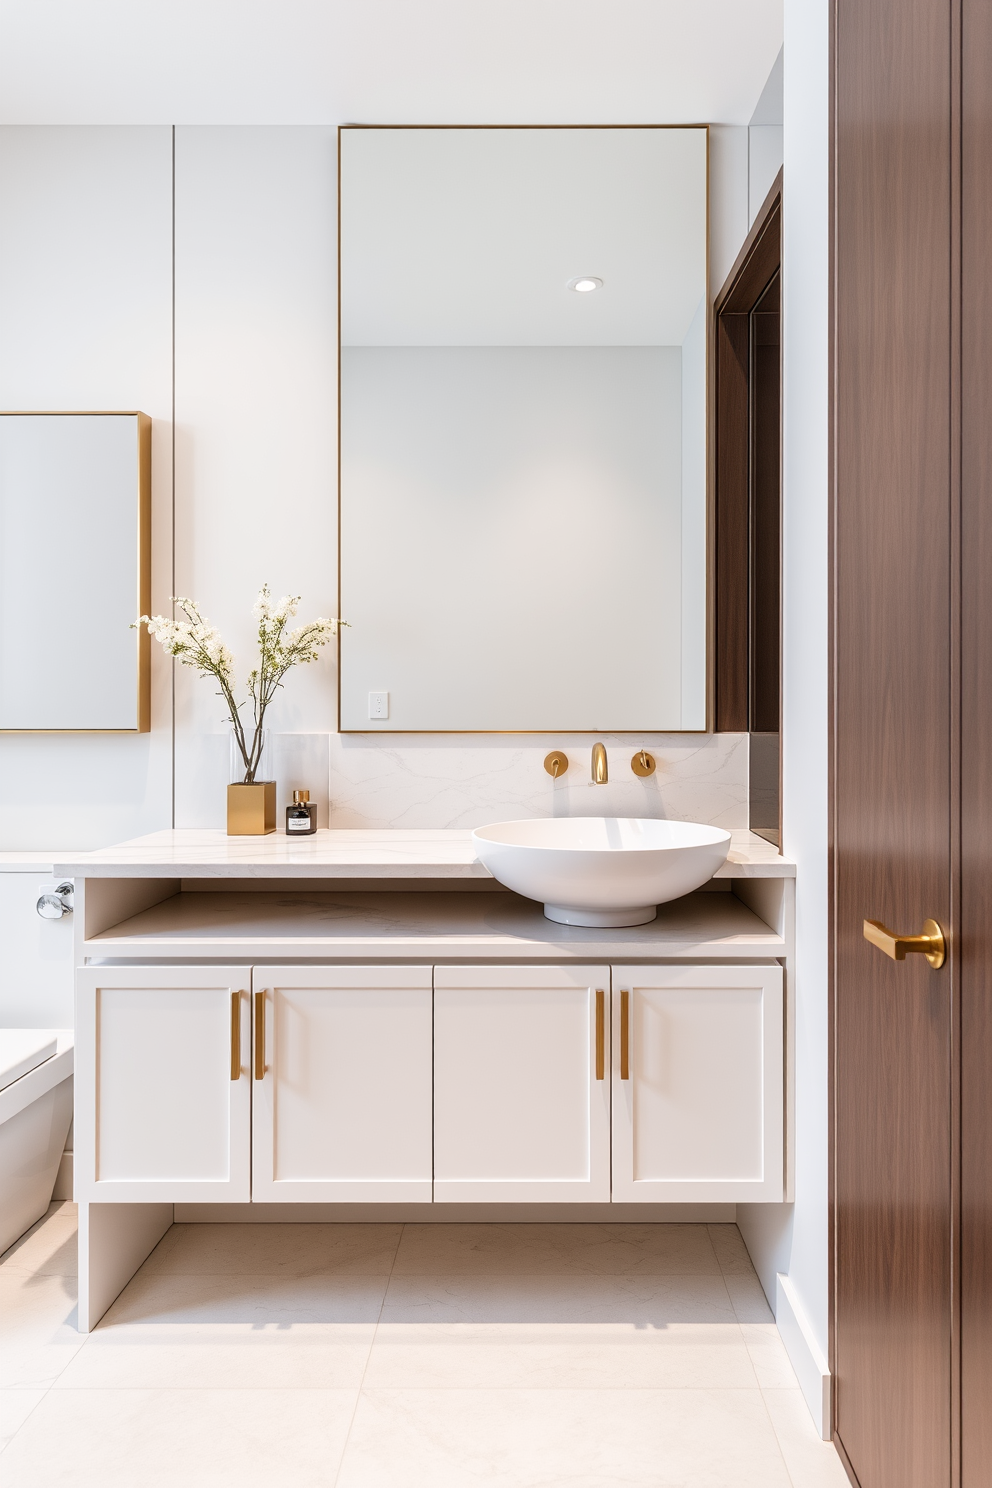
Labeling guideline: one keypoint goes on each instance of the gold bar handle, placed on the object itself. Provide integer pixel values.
(235, 1035)
(600, 1034)
(625, 1034)
(259, 1035)
(930, 944)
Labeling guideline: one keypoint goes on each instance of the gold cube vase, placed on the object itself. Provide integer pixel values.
(251, 809)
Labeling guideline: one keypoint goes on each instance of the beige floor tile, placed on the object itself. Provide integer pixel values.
(276, 1249)
(163, 1438)
(750, 1302)
(555, 1250)
(48, 1248)
(608, 1356)
(639, 1301)
(222, 1357)
(772, 1365)
(35, 1366)
(264, 1301)
(730, 1249)
(565, 1438)
(812, 1463)
(36, 1310)
(15, 1407)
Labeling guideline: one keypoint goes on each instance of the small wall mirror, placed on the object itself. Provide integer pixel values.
(75, 569)
(523, 429)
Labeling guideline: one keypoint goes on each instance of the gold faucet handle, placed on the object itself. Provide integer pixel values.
(556, 763)
(643, 764)
(930, 944)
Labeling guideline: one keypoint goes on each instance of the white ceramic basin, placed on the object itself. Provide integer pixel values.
(601, 870)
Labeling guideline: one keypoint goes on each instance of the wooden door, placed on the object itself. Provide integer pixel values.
(521, 1084)
(976, 753)
(893, 822)
(342, 1087)
(698, 1088)
(162, 1094)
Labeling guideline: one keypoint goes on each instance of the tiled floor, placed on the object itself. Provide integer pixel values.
(392, 1356)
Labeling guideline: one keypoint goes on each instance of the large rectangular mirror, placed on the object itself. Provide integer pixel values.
(75, 569)
(523, 429)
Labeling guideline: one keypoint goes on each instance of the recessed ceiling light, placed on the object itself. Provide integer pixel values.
(584, 284)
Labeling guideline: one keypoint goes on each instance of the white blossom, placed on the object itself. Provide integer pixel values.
(198, 644)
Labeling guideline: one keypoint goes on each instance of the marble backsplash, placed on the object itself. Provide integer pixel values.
(430, 781)
(437, 780)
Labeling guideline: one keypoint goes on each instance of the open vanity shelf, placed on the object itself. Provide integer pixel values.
(305, 923)
(368, 1019)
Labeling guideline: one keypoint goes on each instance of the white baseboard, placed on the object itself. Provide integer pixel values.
(63, 1179)
(804, 1352)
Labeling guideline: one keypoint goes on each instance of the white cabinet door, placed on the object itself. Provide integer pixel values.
(698, 1094)
(163, 1096)
(521, 1084)
(342, 1083)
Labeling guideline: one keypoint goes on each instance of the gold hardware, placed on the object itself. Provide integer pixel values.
(643, 763)
(600, 771)
(556, 763)
(235, 1035)
(625, 1035)
(930, 943)
(251, 809)
(600, 1034)
(259, 1035)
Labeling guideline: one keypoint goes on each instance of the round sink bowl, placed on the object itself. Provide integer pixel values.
(601, 870)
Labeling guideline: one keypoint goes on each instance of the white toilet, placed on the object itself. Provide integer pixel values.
(35, 1112)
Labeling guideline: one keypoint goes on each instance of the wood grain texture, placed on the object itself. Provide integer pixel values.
(757, 264)
(891, 761)
(976, 756)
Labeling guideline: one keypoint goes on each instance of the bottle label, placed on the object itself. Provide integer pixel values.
(298, 823)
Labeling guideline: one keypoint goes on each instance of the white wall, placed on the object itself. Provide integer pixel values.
(795, 1242)
(86, 303)
(86, 317)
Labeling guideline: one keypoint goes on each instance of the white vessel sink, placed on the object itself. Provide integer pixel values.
(601, 870)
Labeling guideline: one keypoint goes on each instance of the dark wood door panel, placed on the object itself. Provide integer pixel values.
(976, 753)
(891, 745)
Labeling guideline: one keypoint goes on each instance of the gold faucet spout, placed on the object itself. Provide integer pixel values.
(600, 772)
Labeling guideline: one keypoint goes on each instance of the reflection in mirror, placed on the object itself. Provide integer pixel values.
(523, 429)
(75, 571)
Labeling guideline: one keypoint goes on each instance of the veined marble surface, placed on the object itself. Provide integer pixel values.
(466, 780)
(423, 852)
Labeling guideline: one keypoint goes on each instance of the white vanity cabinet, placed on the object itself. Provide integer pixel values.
(342, 1084)
(255, 1026)
(521, 1088)
(163, 1096)
(698, 1084)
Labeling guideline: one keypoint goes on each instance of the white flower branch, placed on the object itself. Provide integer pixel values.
(197, 644)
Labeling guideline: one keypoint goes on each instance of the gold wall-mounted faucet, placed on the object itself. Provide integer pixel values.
(600, 772)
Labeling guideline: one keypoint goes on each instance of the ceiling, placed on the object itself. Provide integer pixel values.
(384, 61)
(468, 237)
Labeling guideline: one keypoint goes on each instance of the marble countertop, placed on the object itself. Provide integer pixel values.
(426, 927)
(394, 853)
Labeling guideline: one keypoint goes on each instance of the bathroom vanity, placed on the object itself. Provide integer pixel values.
(365, 1019)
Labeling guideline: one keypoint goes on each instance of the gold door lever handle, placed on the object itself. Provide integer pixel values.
(929, 944)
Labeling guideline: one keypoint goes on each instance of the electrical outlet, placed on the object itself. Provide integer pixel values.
(378, 704)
